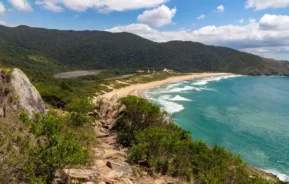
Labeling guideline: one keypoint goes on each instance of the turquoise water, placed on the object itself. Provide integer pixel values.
(247, 115)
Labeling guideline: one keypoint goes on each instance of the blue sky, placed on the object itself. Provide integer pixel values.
(256, 26)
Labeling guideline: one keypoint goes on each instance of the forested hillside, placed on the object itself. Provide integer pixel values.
(103, 50)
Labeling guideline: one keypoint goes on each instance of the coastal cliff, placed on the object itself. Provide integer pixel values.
(114, 160)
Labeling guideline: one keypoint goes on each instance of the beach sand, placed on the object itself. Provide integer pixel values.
(122, 92)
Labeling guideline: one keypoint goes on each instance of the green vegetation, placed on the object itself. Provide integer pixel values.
(138, 115)
(167, 149)
(58, 148)
(41, 53)
(33, 149)
(102, 50)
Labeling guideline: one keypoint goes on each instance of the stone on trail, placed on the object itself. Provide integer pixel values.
(119, 167)
(81, 174)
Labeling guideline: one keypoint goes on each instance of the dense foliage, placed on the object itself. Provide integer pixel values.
(41, 53)
(32, 150)
(168, 149)
(137, 110)
(57, 148)
(103, 50)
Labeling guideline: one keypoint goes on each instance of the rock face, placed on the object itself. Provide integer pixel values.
(15, 85)
(29, 98)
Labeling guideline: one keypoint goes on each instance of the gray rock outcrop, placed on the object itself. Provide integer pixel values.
(16, 85)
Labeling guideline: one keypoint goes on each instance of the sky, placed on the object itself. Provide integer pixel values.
(256, 26)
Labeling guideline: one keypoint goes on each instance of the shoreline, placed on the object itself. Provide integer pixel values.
(125, 91)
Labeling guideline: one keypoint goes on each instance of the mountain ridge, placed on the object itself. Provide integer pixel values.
(104, 50)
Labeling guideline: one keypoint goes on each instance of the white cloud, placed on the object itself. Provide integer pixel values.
(251, 35)
(252, 20)
(265, 4)
(50, 6)
(221, 8)
(201, 17)
(21, 5)
(241, 21)
(157, 17)
(2, 8)
(281, 52)
(3, 23)
(274, 22)
(99, 5)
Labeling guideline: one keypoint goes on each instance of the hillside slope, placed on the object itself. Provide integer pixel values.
(104, 50)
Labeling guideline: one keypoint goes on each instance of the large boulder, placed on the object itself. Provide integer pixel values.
(28, 97)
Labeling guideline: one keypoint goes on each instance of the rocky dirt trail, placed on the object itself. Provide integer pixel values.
(110, 164)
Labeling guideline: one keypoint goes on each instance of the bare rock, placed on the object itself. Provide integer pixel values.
(119, 167)
(100, 133)
(127, 181)
(159, 181)
(81, 174)
(98, 152)
(114, 98)
(29, 98)
(104, 106)
(99, 163)
(115, 174)
(115, 155)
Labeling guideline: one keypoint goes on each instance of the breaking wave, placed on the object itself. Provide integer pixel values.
(281, 176)
(205, 81)
(179, 98)
(168, 105)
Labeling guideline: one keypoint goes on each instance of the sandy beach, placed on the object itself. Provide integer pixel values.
(141, 87)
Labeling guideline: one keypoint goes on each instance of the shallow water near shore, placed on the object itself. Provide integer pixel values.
(247, 115)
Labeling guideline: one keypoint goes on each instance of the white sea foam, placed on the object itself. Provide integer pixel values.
(172, 85)
(168, 105)
(179, 98)
(281, 176)
(186, 88)
(205, 81)
(200, 83)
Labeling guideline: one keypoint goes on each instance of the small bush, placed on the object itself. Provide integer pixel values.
(78, 119)
(80, 105)
(138, 115)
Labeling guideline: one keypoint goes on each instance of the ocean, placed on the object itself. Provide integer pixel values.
(247, 115)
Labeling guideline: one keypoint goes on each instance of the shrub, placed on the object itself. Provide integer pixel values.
(160, 148)
(138, 115)
(80, 105)
(78, 119)
(168, 149)
(57, 147)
